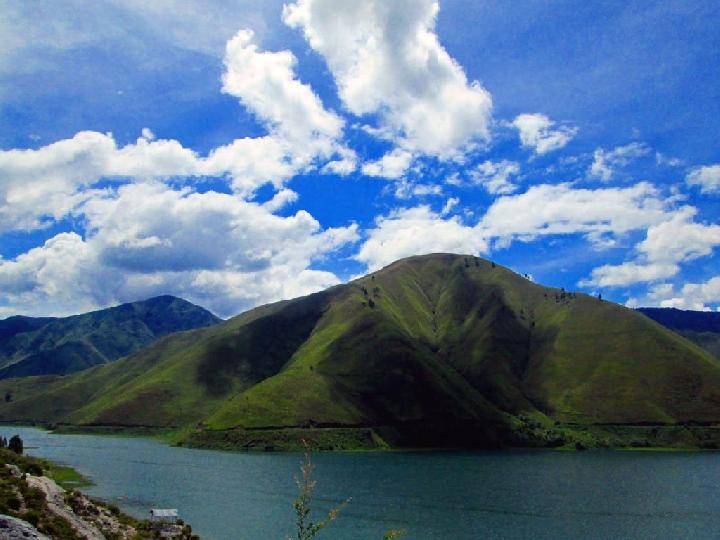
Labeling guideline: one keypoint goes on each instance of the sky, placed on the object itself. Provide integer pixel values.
(240, 152)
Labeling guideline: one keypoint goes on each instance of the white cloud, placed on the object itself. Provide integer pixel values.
(680, 239)
(496, 177)
(405, 189)
(707, 177)
(695, 296)
(149, 239)
(46, 278)
(43, 184)
(667, 161)
(417, 231)
(300, 129)
(386, 59)
(266, 84)
(281, 199)
(38, 186)
(606, 162)
(549, 209)
(394, 164)
(666, 245)
(450, 204)
(253, 162)
(537, 131)
(343, 166)
(628, 273)
(543, 210)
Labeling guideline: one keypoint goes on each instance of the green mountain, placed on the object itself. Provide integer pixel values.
(438, 350)
(42, 346)
(700, 327)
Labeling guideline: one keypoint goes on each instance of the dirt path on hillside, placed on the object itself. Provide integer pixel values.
(55, 496)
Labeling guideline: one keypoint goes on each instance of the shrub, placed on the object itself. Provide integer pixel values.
(16, 444)
(34, 469)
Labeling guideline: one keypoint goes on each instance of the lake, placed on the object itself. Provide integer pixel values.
(514, 494)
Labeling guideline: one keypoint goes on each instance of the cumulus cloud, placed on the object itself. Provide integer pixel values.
(148, 239)
(707, 177)
(549, 209)
(346, 164)
(680, 239)
(265, 82)
(666, 245)
(538, 132)
(38, 186)
(543, 210)
(628, 273)
(394, 164)
(606, 162)
(387, 60)
(696, 295)
(417, 231)
(45, 184)
(300, 129)
(496, 176)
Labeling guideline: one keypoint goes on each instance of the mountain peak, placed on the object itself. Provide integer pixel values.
(35, 346)
(438, 349)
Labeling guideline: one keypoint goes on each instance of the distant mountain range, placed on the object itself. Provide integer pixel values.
(44, 346)
(700, 327)
(433, 351)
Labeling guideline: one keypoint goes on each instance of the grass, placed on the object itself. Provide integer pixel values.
(446, 350)
(67, 477)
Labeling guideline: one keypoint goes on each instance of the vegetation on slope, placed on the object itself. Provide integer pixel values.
(30, 346)
(438, 350)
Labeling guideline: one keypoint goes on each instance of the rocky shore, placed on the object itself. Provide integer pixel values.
(33, 506)
(12, 528)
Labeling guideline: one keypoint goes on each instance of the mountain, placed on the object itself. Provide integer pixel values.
(433, 351)
(18, 324)
(700, 327)
(42, 346)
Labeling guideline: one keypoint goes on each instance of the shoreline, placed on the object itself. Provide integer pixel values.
(39, 499)
(561, 437)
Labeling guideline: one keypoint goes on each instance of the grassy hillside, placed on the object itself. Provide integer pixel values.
(41, 346)
(700, 327)
(438, 350)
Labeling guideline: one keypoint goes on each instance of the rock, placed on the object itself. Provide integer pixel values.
(12, 528)
(14, 470)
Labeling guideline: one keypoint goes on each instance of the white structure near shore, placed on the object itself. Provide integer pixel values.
(164, 515)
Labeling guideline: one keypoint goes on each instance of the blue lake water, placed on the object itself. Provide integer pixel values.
(455, 496)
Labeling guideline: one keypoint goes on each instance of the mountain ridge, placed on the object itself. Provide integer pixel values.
(62, 345)
(436, 350)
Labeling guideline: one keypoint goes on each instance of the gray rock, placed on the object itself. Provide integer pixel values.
(12, 528)
(14, 470)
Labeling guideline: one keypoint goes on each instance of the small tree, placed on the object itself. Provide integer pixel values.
(306, 528)
(16, 444)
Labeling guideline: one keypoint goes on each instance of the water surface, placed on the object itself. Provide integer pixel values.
(458, 496)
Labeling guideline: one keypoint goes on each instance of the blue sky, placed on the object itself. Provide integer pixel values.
(236, 153)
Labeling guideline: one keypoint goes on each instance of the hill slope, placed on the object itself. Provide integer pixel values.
(438, 350)
(700, 327)
(41, 346)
